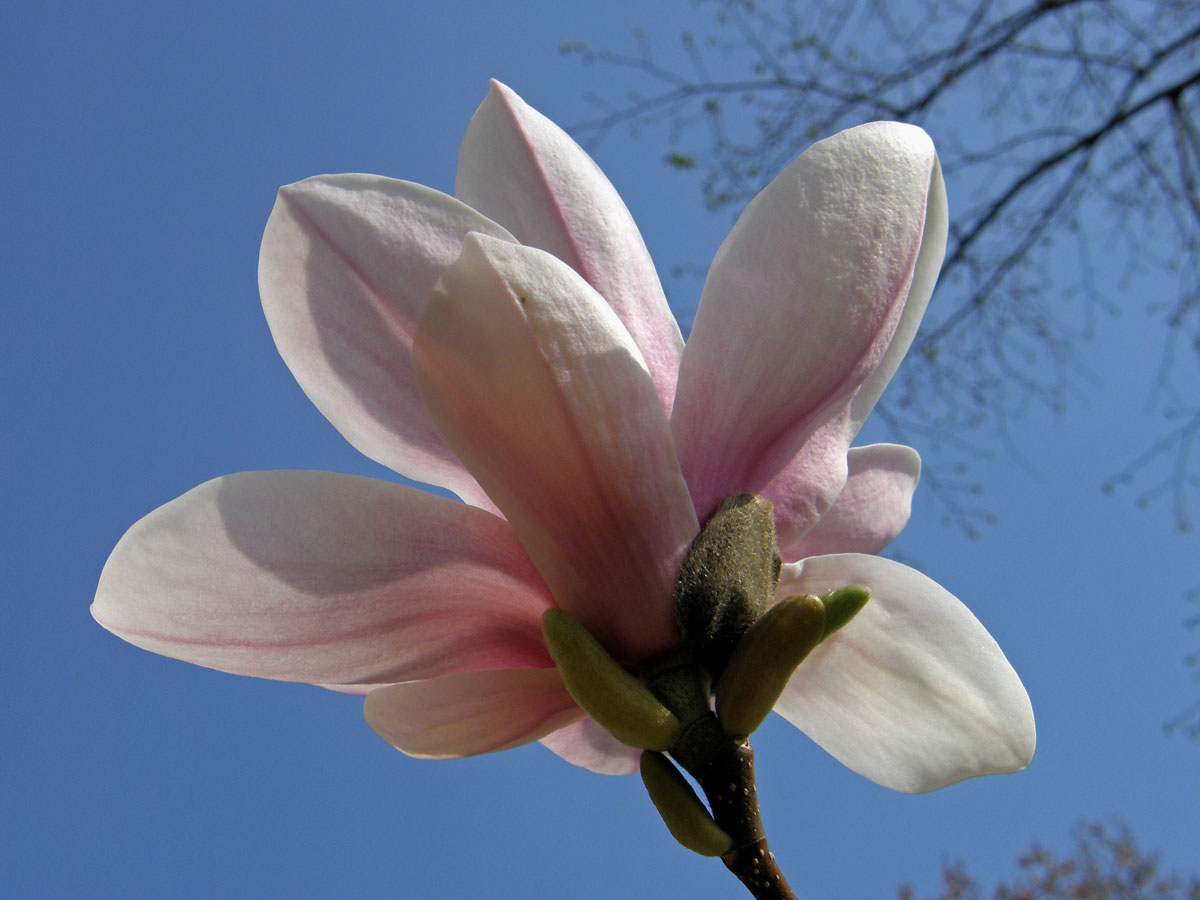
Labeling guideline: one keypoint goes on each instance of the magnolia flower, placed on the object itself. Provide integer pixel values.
(513, 345)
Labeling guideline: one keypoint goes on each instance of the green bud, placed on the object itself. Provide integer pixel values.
(728, 578)
(842, 605)
(765, 659)
(688, 820)
(607, 692)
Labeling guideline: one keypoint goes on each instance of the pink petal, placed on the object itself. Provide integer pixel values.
(804, 490)
(310, 576)
(345, 270)
(525, 172)
(530, 378)
(800, 304)
(913, 693)
(872, 508)
(470, 712)
(587, 744)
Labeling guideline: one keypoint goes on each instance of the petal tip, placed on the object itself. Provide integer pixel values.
(501, 91)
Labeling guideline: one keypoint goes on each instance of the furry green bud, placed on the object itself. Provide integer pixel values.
(728, 578)
(842, 605)
(604, 688)
(688, 820)
(765, 659)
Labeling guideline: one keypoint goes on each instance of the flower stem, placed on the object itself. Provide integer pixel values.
(723, 766)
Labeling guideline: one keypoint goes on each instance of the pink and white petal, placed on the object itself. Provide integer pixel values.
(913, 693)
(525, 172)
(803, 491)
(925, 275)
(530, 378)
(872, 508)
(587, 744)
(316, 577)
(470, 712)
(800, 305)
(345, 270)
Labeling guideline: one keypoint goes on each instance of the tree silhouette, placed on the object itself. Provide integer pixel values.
(1070, 144)
(1106, 864)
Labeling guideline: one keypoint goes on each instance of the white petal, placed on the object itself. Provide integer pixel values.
(925, 274)
(913, 693)
(798, 311)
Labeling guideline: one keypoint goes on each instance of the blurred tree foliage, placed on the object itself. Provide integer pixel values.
(1106, 864)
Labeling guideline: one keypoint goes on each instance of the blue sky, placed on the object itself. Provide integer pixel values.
(143, 147)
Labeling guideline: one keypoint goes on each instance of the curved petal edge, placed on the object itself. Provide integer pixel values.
(912, 693)
(587, 744)
(471, 712)
(873, 507)
(345, 269)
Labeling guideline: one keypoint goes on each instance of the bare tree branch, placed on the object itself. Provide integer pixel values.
(1060, 123)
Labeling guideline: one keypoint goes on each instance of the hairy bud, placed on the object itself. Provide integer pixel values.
(728, 579)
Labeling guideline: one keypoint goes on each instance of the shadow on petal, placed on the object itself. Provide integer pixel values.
(471, 712)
